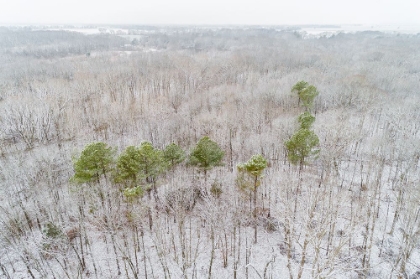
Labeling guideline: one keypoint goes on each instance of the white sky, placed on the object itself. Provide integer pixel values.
(262, 12)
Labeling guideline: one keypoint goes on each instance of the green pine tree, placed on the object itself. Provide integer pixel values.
(128, 167)
(249, 179)
(206, 155)
(306, 93)
(173, 155)
(302, 146)
(96, 160)
(306, 120)
(152, 164)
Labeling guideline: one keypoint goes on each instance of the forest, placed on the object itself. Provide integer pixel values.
(209, 152)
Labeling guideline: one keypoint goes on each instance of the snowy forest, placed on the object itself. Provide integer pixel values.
(209, 153)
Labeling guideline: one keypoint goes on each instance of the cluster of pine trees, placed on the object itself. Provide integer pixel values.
(137, 168)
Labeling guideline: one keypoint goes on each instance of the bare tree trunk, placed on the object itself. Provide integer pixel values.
(212, 249)
(255, 209)
(144, 253)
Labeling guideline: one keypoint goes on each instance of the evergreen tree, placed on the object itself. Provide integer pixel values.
(173, 155)
(206, 155)
(299, 86)
(128, 167)
(151, 163)
(249, 179)
(306, 93)
(137, 164)
(301, 146)
(95, 160)
(306, 120)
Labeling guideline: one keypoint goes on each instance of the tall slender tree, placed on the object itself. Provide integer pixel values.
(249, 179)
(303, 144)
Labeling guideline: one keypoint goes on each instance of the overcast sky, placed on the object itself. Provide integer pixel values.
(261, 12)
